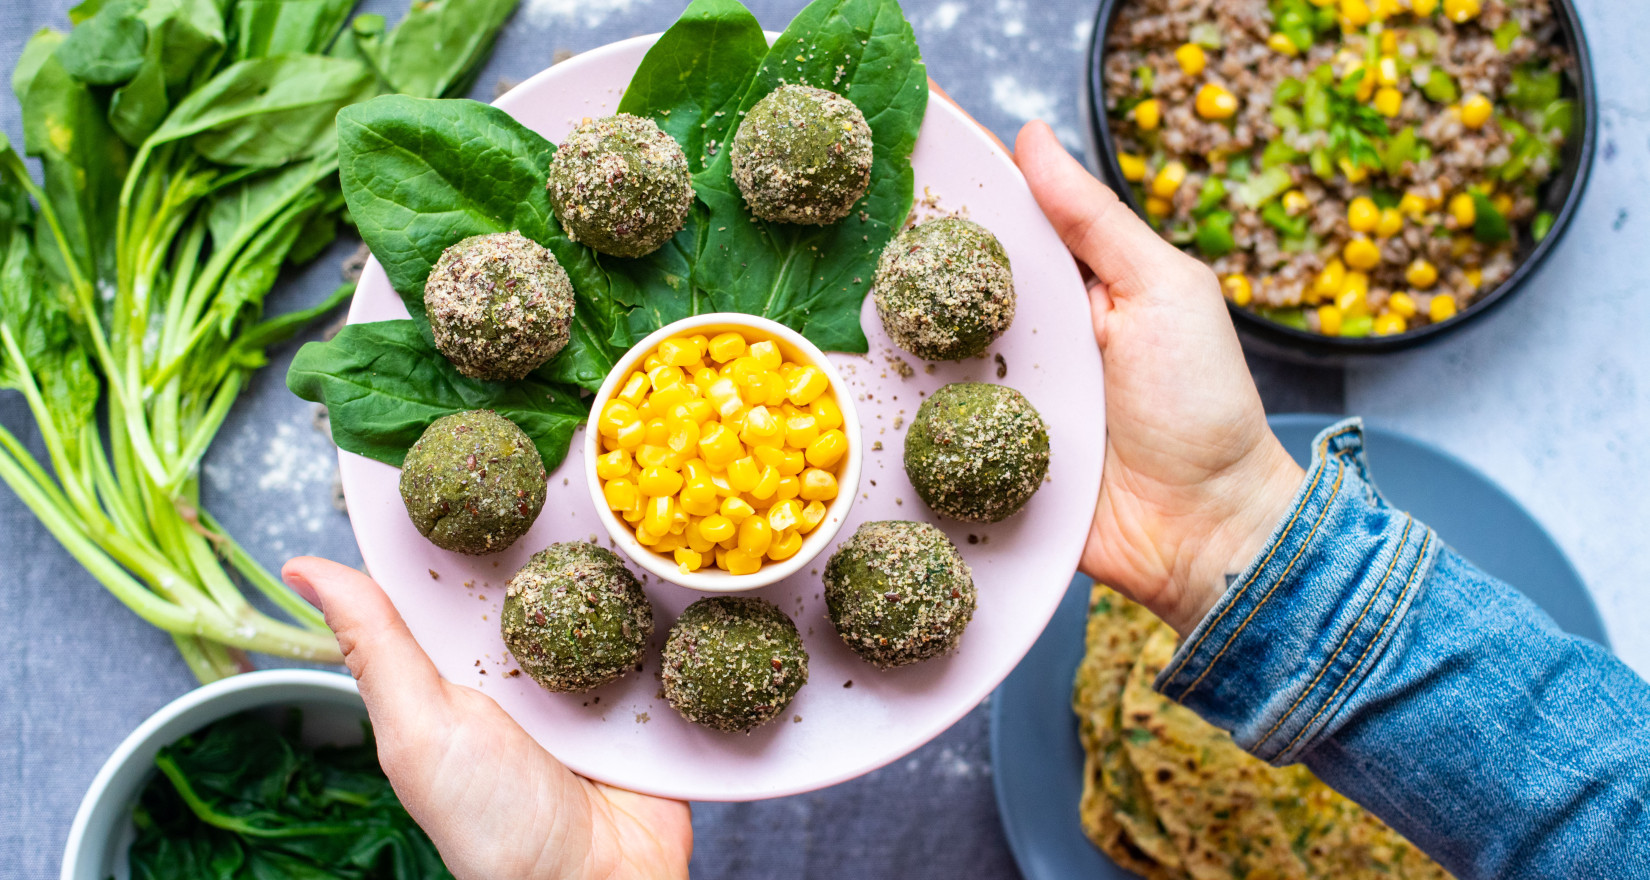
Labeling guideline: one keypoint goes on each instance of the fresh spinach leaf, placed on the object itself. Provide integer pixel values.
(419, 175)
(383, 383)
(281, 27)
(268, 111)
(437, 49)
(137, 108)
(107, 49)
(184, 36)
(690, 82)
(36, 51)
(811, 278)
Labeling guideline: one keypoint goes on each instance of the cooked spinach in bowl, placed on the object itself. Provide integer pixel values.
(1348, 167)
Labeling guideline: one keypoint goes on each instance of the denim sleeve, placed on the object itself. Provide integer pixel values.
(1438, 697)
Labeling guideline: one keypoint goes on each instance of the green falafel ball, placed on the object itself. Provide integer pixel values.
(802, 155)
(976, 452)
(899, 593)
(473, 483)
(620, 185)
(733, 663)
(575, 617)
(499, 305)
(944, 289)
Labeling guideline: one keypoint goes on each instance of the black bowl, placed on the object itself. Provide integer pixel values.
(1561, 195)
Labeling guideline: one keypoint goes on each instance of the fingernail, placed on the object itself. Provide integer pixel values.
(301, 586)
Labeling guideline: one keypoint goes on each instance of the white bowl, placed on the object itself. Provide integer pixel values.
(102, 830)
(795, 348)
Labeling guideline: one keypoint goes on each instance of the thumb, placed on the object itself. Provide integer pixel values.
(398, 682)
(1096, 226)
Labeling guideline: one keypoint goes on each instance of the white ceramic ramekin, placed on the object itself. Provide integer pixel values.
(796, 349)
(102, 830)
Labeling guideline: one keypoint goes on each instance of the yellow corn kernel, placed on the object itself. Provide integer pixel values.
(613, 465)
(699, 498)
(1388, 101)
(1463, 210)
(688, 560)
(1390, 324)
(813, 513)
(785, 515)
(767, 354)
(1324, 2)
(1329, 320)
(1422, 275)
(1402, 305)
(1475, 278)
(826, 413)
(1295, 202)
(1168, 180)
(660, 516)
(1385, 9)
(1191, 59)
(1354, 173)
(645, 537)
(818, 485)
(785, 545)
(1133, 167)
(723, 395)
(1503, 202)
(619, 493)
(1354, 281)
(1361, 253)
(741, 562)
(793, 463)
(762, 428)
(678, 352)
(1362, 214)
(1281, 44)
(703, 378)
(1215, 102)
(684, 436)
(744, 474)
(1423, 8)
(669, 544)
(1353, 301)
(718, 446)
(1157, 207)
(635, 388)
(789, 487)
(651, 361)
(806, 385)
(1354, 13)
(721, 558)
(755, 535)
(1386, 71)
(1442, 308)
(725, 347)
(1389, 46)
(1148, 113)
(1392, 223)
(650, 456)
(736, 509)
(664, 376)
(1461, 245)
(696, 541)
(767, 485)
(616, 415)
(716, 528)
(827, 449)
(1412, 205)
(1329, 281)
(1238, 289)
(1461, 11)
(800, 430)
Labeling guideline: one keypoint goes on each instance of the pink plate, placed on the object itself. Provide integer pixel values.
(851, 718)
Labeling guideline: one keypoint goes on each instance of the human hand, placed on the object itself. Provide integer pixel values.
(1194, 479)
(495, 803)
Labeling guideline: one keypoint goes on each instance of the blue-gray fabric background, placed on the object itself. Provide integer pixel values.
(78, 671)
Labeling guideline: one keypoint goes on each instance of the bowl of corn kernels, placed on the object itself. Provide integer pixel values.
(722, 454)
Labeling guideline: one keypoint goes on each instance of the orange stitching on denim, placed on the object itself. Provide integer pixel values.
(1403, 541)
(1340, 473)
(1305, 498)
(1398, 603)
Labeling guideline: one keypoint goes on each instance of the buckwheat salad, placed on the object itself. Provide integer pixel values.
(1347, 167)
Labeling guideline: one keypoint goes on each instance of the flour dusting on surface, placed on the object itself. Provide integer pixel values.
(945, 16)
(590, 13)
(1025, 103)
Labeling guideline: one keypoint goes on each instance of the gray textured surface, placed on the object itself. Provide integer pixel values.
(69, 695)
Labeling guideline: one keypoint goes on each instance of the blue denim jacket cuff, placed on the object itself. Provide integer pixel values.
(1297, 630)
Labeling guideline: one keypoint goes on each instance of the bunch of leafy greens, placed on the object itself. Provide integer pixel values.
(188, 154)
(420, 175)
(243, 798)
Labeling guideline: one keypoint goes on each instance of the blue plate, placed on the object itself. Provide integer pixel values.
(1037, 762)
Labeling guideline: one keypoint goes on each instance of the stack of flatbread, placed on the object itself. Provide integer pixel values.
(1167, 795)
